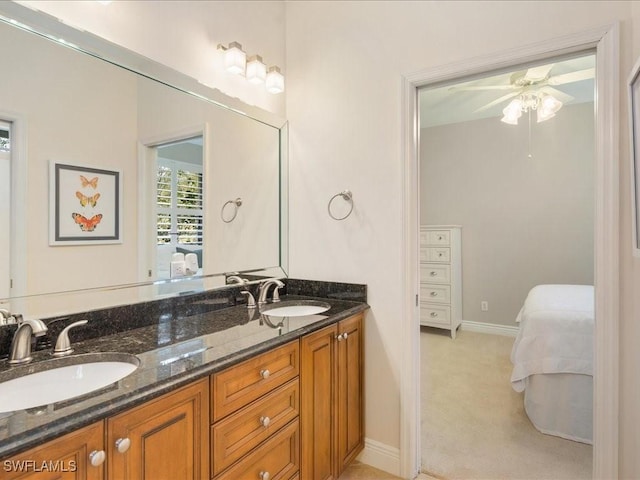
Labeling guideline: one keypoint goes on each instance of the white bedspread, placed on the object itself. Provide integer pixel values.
(556, 333)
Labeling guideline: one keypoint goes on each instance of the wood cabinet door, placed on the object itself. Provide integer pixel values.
(350, 411)
(65, 458)
(168, 437)
(318, 401)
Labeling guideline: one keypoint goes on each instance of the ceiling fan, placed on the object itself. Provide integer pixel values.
(531, 89)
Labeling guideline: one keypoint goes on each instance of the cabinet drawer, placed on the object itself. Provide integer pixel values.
(435, 293)
(435, 273)
(241, 384)
(240, 432)
(279, 457)
(435, 254)
(435, 314)
(435, 238)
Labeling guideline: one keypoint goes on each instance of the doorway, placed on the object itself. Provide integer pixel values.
(512, 203)
(605, 41)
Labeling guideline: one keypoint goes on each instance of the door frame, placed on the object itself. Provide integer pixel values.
(605, 41)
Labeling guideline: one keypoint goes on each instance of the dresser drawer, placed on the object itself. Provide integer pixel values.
(435, 314)
(435, 273)
(244, 430)
(435, 254)
(241, 384)
(435, 238)
(278, 457)
(435, 293)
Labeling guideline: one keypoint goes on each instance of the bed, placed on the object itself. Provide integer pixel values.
(552, 360)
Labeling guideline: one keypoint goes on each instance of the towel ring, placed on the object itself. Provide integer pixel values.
(347, 197)
(237, 202)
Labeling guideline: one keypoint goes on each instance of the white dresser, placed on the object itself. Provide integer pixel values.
(441, 277)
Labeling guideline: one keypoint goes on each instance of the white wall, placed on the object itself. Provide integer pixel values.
(526, 221)
(345, 63)
(185, 34)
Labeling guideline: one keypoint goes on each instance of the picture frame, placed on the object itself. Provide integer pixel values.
(634, 135)
(85, 205)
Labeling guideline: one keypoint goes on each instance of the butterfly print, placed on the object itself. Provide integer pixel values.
(89, 183)
(87, 224)
(84, 200)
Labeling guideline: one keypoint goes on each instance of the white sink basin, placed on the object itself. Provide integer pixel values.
(61, 379)
(295, 308)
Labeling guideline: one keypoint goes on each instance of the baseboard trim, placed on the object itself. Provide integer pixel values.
(492, 328)
(381, 456)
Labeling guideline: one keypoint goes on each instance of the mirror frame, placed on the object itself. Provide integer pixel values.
(52, 29)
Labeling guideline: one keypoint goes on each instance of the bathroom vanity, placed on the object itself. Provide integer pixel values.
(227, 394)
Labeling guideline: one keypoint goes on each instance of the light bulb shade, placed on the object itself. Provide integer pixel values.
(235, 60)
(256, 70)
(550, 104)
(274, 81)
(512, 112)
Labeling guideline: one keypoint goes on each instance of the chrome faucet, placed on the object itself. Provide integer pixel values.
(264, 290)
(21, 343)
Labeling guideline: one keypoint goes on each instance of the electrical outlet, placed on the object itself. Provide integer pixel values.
(484, 306)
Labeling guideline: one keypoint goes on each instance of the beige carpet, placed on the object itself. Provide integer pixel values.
(474, 425)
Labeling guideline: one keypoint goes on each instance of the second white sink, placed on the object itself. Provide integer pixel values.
(295, 308)
(62, 379)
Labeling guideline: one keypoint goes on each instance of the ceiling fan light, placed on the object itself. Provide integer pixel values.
(550, 103)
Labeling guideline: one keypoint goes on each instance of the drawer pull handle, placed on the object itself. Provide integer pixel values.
(97, 457)
(434, 314)
(342, 336)
(433, 274)
(123, 444)
(265, 373)
(440, 237)
(264, 476)
(440, 254)
(433, 294)
(265, 421)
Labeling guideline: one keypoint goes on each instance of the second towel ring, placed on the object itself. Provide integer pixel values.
(237, 202)
(347, 196)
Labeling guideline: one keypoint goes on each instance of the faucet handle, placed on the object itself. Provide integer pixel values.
(251, 302)
(63, 344)
(276, 293)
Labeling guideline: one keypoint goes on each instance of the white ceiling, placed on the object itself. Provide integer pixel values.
(444, 105)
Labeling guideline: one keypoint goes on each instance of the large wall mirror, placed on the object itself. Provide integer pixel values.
(198, 172)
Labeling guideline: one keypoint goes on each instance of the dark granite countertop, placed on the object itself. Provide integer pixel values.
(172, 353)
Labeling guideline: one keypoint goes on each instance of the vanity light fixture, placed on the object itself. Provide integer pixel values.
(256, 70)
(275, 80)
(235, 59)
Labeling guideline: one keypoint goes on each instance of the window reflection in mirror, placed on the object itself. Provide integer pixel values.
(179, 204)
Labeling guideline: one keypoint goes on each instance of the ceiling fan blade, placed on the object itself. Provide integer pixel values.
(572, 77)
(496, 101)
(563, 97)
(481, 87)
(538, 73)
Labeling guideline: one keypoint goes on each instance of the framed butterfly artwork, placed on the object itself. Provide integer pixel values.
(85, 205)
